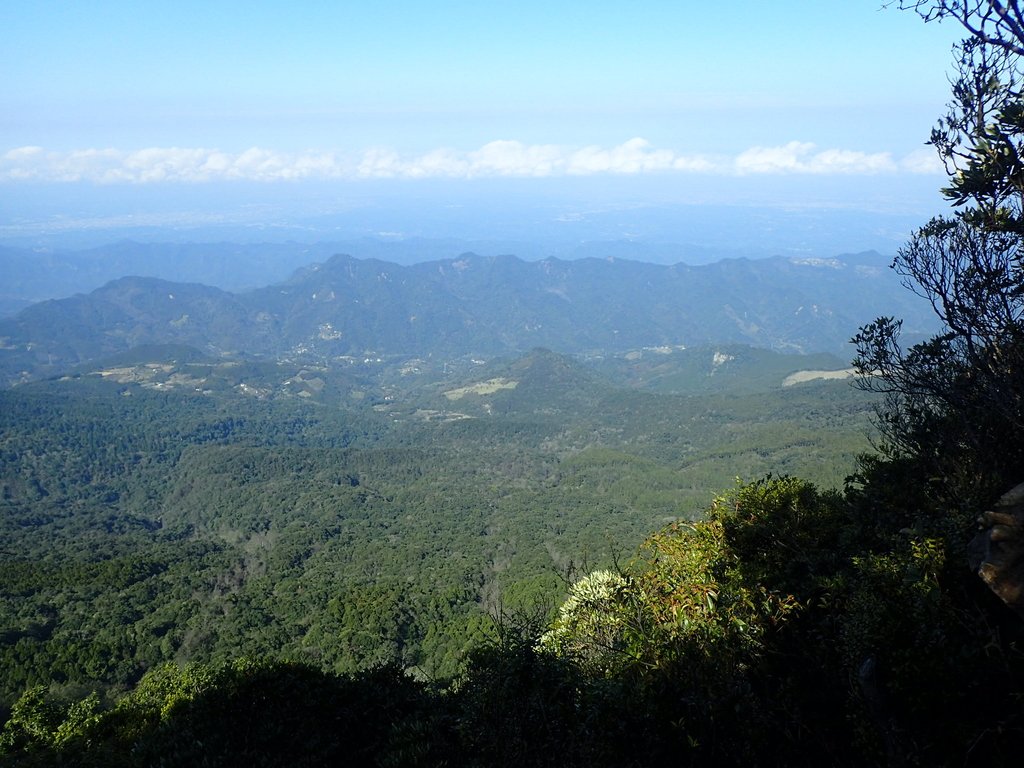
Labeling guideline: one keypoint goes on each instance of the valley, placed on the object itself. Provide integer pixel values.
(163, 505)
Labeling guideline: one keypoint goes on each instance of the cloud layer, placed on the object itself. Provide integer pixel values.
(502, 158)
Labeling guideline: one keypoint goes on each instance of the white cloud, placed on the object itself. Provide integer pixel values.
(924, 160)
(512, 158)
(502, 158)
(635, 156)
(22, 153)
(804, 157)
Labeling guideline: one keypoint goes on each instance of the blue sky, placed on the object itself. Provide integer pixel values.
(733, 98)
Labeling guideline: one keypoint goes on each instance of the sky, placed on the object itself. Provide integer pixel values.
(793, 102)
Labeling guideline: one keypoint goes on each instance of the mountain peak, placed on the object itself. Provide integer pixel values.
(481, 306)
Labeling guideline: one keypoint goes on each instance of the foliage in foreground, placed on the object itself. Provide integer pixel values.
(780, 630)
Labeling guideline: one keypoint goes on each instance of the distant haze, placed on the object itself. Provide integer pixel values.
(666, 219)
(746, 128)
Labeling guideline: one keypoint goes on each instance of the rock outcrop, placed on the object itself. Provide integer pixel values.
(997, 552)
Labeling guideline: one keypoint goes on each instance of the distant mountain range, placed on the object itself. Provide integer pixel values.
(34, 275)
(347, 309)
(31, 275)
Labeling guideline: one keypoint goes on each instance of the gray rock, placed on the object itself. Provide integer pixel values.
(997, 551)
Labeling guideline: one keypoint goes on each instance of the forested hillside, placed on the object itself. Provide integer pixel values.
(346, 310)
(146, 524)
(37, 274)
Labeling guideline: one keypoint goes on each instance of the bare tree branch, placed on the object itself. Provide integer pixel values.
(995, 22)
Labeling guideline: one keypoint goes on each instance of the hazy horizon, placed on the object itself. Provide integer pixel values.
(579, 123)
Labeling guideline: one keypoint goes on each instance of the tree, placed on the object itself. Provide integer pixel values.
(992, 22)
(955, 403)
(589, 627)
(979, 139)
(693, 602)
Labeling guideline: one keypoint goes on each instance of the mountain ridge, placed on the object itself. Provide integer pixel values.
(470, 305)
